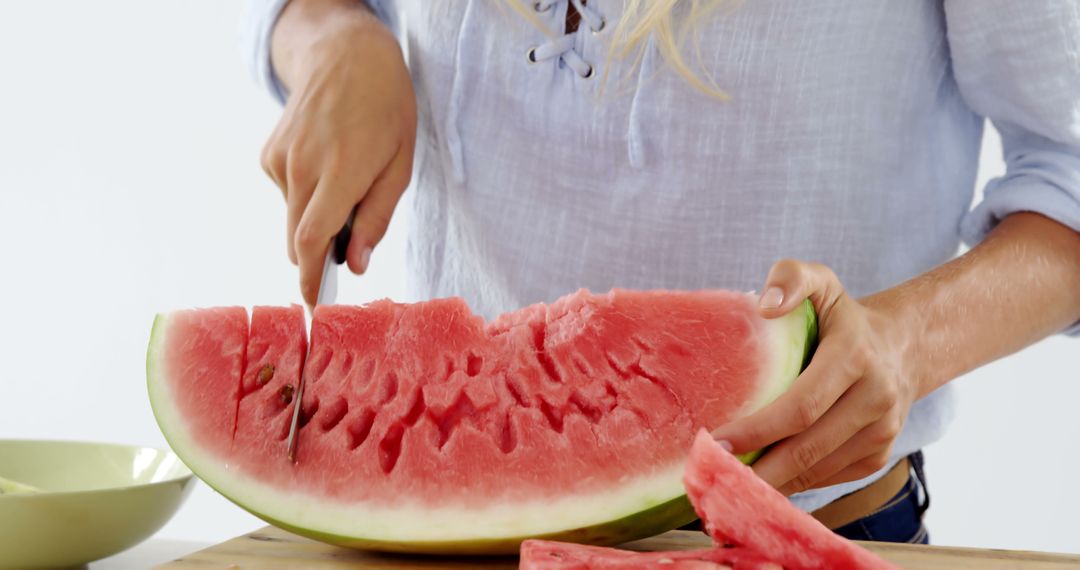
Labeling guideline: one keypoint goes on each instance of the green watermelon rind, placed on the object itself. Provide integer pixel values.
(652, 519)
(811, 333)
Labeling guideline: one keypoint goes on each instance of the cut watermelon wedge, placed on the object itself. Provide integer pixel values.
(739, 508)
(425, 429)
(549, 555)
(753, 525)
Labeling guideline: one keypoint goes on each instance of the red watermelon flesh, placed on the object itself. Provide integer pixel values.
(276, 345)
(426, 429)
(212, 347)
(550, 555)
(741, 509)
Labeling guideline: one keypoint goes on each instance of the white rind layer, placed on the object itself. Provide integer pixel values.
(786, 339)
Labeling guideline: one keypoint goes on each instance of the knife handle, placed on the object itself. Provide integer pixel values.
(341, 240)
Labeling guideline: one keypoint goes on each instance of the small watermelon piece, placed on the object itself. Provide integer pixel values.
(425, 429)
(741, 509)
(550, 555)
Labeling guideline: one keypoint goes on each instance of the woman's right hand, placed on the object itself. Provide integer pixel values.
(347, 134)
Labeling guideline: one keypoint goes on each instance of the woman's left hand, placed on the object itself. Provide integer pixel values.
(840, 418)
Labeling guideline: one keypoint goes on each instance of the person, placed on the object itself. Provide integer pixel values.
(830, 147)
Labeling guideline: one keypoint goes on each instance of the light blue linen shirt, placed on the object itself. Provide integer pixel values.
(852, 139)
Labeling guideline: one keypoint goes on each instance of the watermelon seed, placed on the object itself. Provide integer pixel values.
(266, 374)
(285, 395)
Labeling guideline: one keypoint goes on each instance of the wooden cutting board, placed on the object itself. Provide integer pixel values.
(271, 548)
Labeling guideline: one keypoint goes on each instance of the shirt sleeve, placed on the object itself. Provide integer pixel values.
(1018, 64)
(260, 16)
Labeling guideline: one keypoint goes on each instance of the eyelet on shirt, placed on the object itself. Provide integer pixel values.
(563, 49)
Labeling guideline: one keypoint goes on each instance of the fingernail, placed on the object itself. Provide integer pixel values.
(772, 298)
(365, 257)
(726, 445)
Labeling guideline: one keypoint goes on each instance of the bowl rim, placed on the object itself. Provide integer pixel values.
(184, 478)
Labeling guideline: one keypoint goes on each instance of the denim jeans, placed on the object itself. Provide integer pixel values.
(900, 518)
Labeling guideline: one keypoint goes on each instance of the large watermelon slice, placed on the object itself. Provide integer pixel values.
(425, 429)
(741, 509)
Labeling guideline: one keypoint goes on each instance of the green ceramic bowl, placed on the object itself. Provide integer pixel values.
(95, 500)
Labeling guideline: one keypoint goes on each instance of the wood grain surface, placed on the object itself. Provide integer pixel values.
(271, 548)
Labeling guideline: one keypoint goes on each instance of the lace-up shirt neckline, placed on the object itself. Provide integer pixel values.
(564, 47)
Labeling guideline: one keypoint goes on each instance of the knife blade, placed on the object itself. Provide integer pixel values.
(327, 295)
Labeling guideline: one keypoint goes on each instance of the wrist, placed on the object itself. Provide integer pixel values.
(308, 30)
(896, 319)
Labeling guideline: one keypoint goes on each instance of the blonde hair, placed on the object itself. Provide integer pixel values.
(643, 20)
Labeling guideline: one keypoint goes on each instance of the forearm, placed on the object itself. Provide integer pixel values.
(305, 25)
(1018, 286)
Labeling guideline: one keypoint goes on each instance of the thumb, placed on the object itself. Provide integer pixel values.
(373, 217)
(791, 281)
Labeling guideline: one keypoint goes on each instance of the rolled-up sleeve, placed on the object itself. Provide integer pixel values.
(1018, 64)
(260, 16)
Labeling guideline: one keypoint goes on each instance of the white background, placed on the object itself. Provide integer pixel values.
(129, 184)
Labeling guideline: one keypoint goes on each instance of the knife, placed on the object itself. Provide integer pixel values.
(335, 256)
